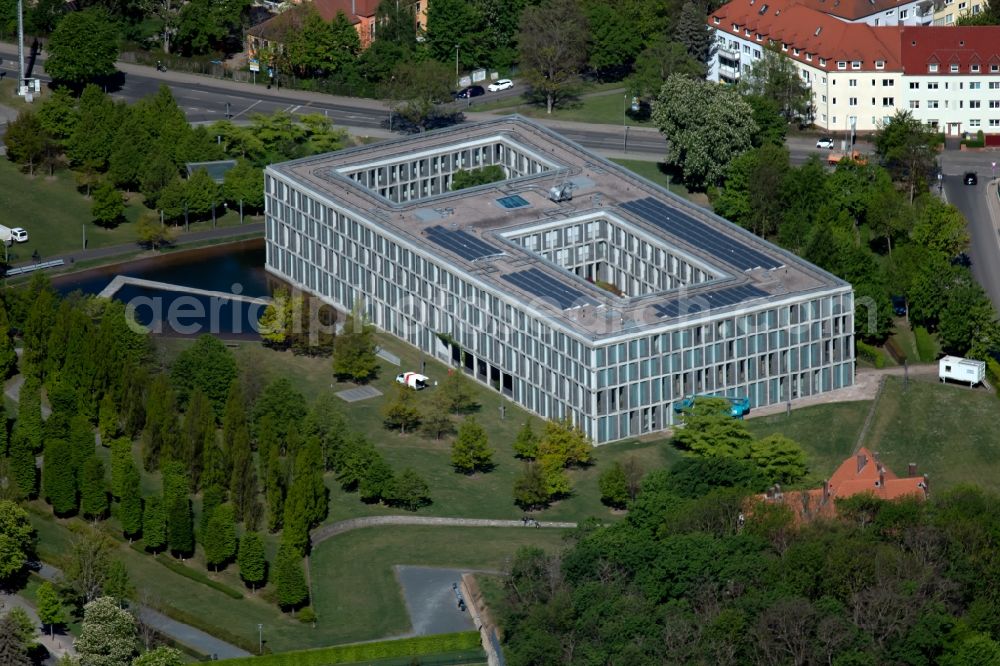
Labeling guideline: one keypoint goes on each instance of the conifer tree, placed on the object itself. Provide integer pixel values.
(121, 463)
(29, 414)
(180, 530)
(211, 498)
(107, 419)
(159, 435)
(197, 431)
(8, 357)
(470, 452)
(220, 543)
(154, 524)
(58, 482)
(93, 489)
(13, 651)
(243, 484)
(251, 560)
(117, 583)
(326, 421)
(293, 442)
(129, 510)
(274, 490)
(234, 417)
(295, 532)
(81, 443)
(377, 480)
(289, 578)
(22, 466)
(267, 438)
(216, 471)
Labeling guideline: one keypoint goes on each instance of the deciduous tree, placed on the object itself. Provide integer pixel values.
(410, 491)
(220, 542)
(207, 365)
(354, 351)
(706, 126)
(50, 607)
(17, 540)
(108, 209)
(154, 524)
(161, 656)
(529, 487)
(108, 637)
(435, 419)
(27, 141)
(289, 578)
(83, 47)
(526, 443)
(93, 489)
(776, 77)
(58, 477)
(553, 49)
(401, 413)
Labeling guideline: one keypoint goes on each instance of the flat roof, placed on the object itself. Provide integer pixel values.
(469, 231)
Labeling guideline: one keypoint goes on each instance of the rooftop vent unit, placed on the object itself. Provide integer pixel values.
(763, 8)
(818, 30)
(560, 193)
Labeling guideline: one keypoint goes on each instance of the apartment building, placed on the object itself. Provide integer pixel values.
(861, 74)
(572, 287)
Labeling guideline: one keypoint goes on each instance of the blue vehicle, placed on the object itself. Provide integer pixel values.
(739, 406)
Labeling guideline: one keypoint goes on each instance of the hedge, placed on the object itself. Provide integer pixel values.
(361, 652)
(870, 354)
(926, 349)
(193, 574)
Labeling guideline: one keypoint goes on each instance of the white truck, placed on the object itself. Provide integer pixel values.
(8, 235)
(414, 380)
(961, 370)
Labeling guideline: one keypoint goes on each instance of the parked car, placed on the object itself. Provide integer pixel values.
(500, 84)
(19, 235)
(471, 91)
(899, 305)
(970, 178)
(825, 142)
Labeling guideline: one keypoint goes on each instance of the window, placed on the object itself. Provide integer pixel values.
(852, 83)
(932, 68)
(903, 13)
(809, 57)
(888, 101)
(994, 122)
(994, 85)
(852, 101)
(914, 104)
(932, 86)
(716, 20)
(953, 69)
(995, 68)
(949, 18)
(975, 85)
(855, 64)
(841, 64)
(888, 83)
(823, 99)
(962, 5)
(784, 46)
(833, 120)
(880, 64)
(914, 85)
(974, 123)
(932, 104)
(822, 62)
(974, 103)
(760, 37)
(746, 48)
(873, 103)
(795, 51)
(995, 103)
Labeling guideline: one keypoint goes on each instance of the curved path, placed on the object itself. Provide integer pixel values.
(324, 532)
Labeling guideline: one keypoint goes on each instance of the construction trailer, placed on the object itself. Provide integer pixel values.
(961, 369)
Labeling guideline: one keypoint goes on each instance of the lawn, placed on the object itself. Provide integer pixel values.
(356, 594)
(827, 433)
(453, 494)
(606, 109)
(659, 174)
(948, 430)
(57, 216)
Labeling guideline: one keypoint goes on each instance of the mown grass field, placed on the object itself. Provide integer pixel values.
(606, 109)
(56, 215)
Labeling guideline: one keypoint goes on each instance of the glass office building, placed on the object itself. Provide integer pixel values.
(571, 286)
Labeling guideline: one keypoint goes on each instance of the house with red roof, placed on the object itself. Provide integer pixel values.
(861, 473)
(275, 32)
(861, 74)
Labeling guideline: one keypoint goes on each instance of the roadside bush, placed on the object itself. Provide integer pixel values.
(871, 354)
(926, 349)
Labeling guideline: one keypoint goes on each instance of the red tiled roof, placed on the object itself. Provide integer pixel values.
(861, 473)
(947, 45)
(852, 10)
(820, 35)
(278, 27)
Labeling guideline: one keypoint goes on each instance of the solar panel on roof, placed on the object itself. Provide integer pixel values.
(461, 243)
(701, 302)
(549, 288)
(712, 240)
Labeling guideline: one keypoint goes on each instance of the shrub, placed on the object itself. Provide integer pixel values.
(870, 354)
(926, 348)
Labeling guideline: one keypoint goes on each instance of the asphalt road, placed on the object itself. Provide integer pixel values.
(984, 245)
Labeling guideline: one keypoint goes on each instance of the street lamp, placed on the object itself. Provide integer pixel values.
(624, 125)
(456, 64)
(260, 639)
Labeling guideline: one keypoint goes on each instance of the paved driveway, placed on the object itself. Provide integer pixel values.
(431, 601)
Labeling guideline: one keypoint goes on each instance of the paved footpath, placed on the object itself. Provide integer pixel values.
(177, 631)
(57, 645)
(324, 532)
